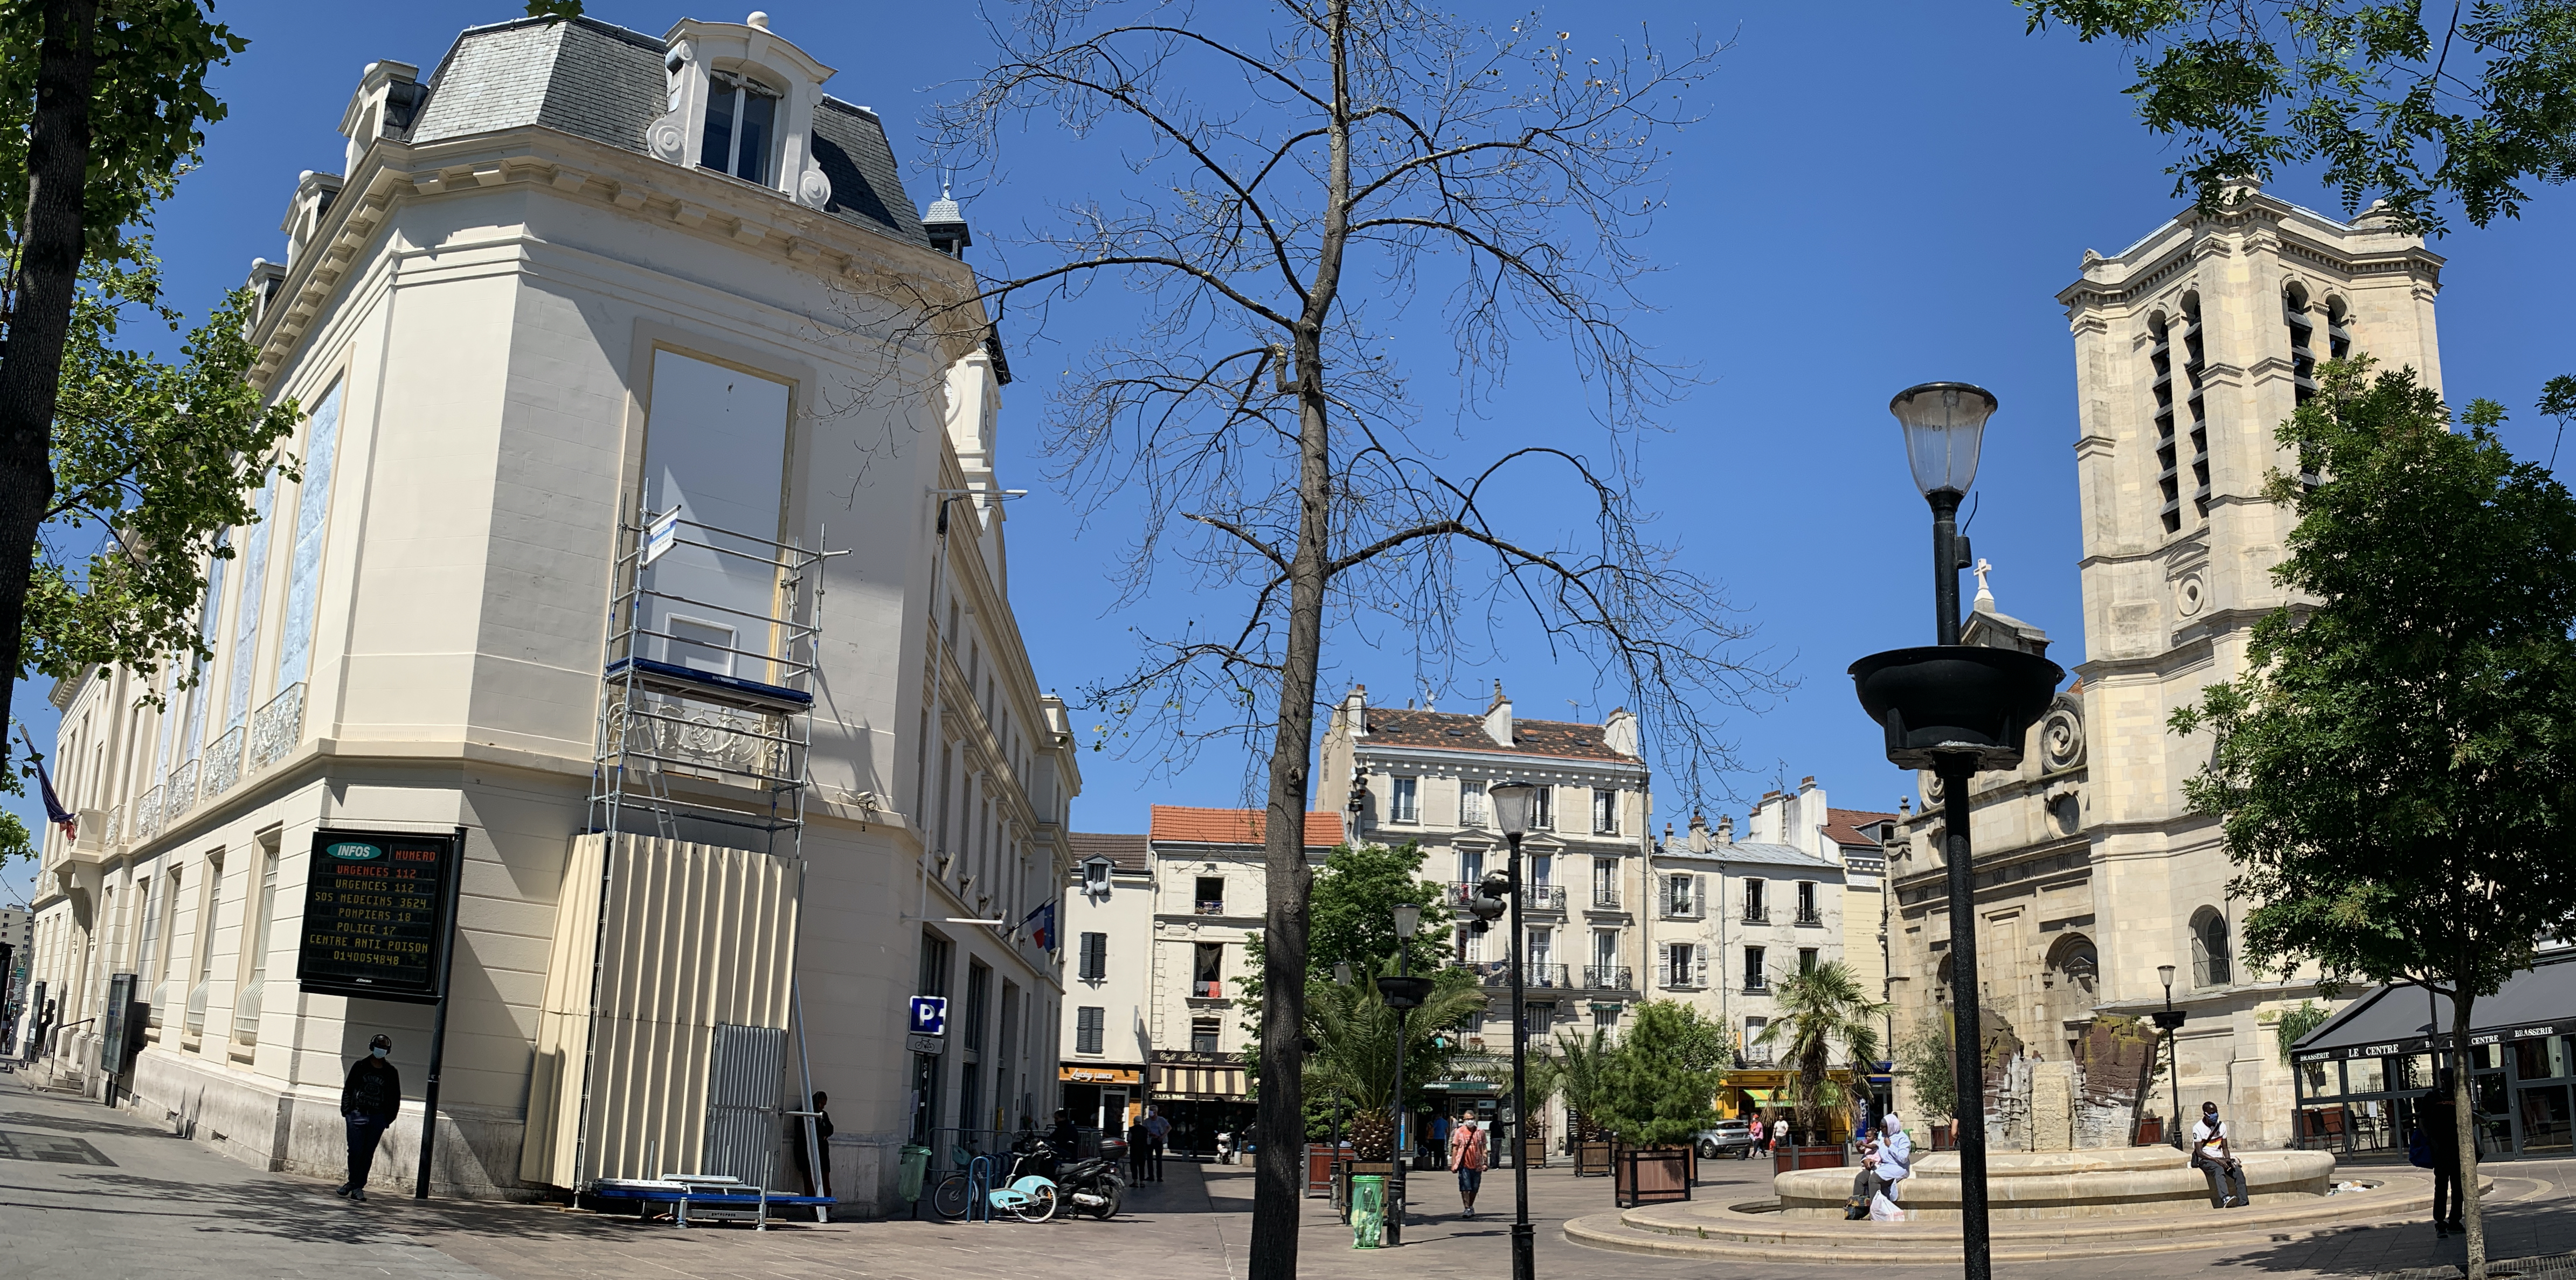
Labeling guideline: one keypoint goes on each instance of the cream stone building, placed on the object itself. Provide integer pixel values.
(1420, 776)
(649, 538)
(2191, 346)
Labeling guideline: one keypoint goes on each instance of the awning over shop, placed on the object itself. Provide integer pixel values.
(1760, 1096)
(2539, 1001)
(1190, 1080)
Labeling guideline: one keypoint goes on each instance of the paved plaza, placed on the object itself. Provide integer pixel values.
(90, 1194)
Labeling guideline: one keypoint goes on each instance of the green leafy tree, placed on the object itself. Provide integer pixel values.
(1653, 1091)
(1355, 1036)
(153, 462)
(2295, 1024)
(1352, 914)
(2395, 770)
(1821, 1008)
(1583, 1074)
(2410, 103)
(101, 110)
(1924, 1055)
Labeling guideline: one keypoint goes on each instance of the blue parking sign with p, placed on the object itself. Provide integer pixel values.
(929, 1015)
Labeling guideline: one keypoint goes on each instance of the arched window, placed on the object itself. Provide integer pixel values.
(2212, 964)
(2073, 965)
(1941, 986)
(2303, 350)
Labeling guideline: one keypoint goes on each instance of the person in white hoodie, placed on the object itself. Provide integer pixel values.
(1889, 1162)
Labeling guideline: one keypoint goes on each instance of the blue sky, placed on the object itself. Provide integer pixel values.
(1879, 194)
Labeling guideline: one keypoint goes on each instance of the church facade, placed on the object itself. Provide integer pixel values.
(2191, 346)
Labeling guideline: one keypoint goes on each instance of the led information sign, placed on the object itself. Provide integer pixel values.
(377, 909)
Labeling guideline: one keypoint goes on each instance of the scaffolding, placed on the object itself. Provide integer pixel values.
(704, 737)
(705, 699)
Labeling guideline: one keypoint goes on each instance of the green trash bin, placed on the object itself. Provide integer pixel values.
(916, 1166)
(1368, 1211)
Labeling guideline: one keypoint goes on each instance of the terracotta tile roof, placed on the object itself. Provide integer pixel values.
(1237, 826)
(1843, 826)
(1450, 731)
(1125, 852)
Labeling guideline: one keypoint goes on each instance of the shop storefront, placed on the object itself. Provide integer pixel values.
(2361, 1074)
(1203, 1095)
(1103, 1097)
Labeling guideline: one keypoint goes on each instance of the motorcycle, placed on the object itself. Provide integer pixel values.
(1092, 1186)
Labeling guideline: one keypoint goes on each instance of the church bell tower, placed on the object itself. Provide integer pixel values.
(2191, 348)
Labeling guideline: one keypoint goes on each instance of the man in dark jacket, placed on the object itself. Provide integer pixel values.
(805, 1163)
(2439, 1117)
(369, 1101)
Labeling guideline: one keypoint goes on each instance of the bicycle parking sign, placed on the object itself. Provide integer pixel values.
(929, 1015)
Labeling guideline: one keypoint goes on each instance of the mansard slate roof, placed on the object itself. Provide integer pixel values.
(605, 83)
(1449, 731)
(1125, 852)
(1777, 855)
(1236, 826)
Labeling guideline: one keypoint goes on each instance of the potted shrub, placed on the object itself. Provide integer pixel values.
(1657, 1090)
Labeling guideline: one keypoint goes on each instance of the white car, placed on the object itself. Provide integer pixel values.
(1729, 1138)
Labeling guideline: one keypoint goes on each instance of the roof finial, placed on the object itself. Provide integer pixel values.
(1985, 602)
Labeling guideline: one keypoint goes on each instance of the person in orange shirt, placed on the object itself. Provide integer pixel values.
(1467, 1156)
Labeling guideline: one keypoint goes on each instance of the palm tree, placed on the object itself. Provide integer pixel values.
(1355, 1039)
(1582, 1075)
(1820, 1007)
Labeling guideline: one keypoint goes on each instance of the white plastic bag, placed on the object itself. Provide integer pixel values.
(1882, 1209)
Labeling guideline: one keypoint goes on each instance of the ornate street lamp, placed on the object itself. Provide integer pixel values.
(1511, 802)
(2170, 1021)
(1403, 993)
(1955, 709)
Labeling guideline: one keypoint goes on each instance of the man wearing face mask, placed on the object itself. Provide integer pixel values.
(369, 1101)
(2214, 1157)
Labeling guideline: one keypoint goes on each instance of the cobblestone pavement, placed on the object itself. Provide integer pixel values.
(89, 1194)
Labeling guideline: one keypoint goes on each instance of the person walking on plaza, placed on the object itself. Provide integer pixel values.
(1779, 1133)
(1140, 1151)
(1467, 1156)
(369, 1101)
(2211, 1154)
(1157, 1131)
(1440, 1138)
(2439, 1117)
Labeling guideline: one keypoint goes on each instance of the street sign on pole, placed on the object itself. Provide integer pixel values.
(929, 1016)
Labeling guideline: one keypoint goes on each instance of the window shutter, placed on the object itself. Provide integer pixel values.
(1699, 967)
(1696, 900)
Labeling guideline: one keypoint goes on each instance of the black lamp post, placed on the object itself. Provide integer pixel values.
(1512, 813)
(1333, 1158)
(1403, 993)
(1955, 709)
(2169, 1022)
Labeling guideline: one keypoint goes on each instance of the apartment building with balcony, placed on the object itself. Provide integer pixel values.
(1107, 1035)
(1732, 919)
(1420, 775)
(577, 286)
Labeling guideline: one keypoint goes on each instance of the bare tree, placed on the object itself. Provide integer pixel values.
(1303, 183)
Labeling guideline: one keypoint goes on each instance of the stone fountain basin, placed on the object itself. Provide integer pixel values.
(2109, 1182)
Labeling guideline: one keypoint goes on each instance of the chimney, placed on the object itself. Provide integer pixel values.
(1619, 732)
(1498, 717)
(1726, 828)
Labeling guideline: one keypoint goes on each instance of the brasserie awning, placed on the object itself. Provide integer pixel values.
(2539, 1001)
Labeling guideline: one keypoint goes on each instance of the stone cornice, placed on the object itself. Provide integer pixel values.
(737, 215)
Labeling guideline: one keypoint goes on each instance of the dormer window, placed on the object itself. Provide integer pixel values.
(742, 127)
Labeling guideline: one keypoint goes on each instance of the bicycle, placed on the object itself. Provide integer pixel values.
(1030, 1197)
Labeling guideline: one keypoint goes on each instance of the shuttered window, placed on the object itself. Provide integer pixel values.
(1087, 1025)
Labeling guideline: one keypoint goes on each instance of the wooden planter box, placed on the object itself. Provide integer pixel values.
(1319, 1167)
(1792, 1159)
(1942, 1139)
(2151, 1132)
(1592, 1157)
(1649, 1175)
(1534, 1150)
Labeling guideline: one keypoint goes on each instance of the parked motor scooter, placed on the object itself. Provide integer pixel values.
(1092, 1186)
